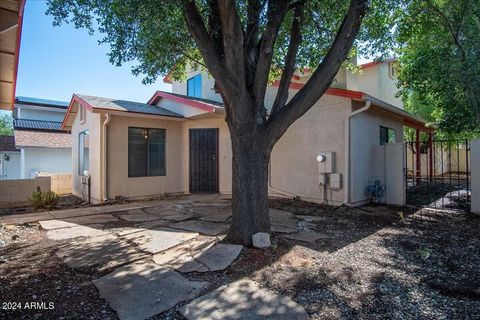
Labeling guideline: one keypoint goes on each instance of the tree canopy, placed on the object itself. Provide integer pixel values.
(6, 124)
(439, 63)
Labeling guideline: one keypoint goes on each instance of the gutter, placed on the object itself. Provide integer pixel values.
(347, 149)
(104, 155)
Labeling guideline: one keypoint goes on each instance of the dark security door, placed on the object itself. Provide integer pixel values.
(203, 160)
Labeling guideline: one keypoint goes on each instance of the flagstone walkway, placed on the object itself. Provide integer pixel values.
(147, 246)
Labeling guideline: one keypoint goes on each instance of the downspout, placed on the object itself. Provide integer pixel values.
(347, 149)
(104, 156)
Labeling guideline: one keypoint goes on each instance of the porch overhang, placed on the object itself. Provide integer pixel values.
(11, 18)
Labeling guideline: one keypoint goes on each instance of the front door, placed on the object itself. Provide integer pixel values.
(204, 160)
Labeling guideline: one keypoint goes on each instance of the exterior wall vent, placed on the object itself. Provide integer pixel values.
(83, 114)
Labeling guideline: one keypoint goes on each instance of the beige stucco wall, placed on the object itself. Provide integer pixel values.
(364, 133)
(376, 82)
(93, 124)
(294, 165)
(119, 184)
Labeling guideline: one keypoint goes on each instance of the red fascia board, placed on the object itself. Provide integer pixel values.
(192, 103)
(80, 101)
(356, 95)
(21, 9)
(417, 125)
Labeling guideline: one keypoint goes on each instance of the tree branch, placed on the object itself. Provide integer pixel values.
(290, 59)
(206, 46)
(254, 8)
(232, 33)
(277, 10)
(323, 75)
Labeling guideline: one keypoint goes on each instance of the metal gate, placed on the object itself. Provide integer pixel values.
(203, 160)
(438, 174)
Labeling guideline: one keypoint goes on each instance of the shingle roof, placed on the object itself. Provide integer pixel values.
(213, 102)
(42, 139)
(37, 124)
(42, 102)
(7, 143)
(128, 106)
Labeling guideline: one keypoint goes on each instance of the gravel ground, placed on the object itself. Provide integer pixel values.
(374, 265)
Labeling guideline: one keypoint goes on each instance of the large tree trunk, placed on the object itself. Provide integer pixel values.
(249, 191)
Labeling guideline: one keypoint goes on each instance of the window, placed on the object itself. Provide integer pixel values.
(83, 153)
(387, 135)
(194, 86)
(146, 152)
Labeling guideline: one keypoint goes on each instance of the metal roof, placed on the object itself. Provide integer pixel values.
(42, 102)
(126, 106)
(37, 124)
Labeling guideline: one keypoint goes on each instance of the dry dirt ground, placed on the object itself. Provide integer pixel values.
(372, 264)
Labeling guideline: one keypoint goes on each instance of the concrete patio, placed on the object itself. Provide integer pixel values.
(146, 246)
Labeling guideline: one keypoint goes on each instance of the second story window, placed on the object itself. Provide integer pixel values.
(194, 86)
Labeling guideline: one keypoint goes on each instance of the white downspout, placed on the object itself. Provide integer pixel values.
(104, 156)
(347, 148)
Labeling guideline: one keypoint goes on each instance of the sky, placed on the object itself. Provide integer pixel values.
(56, 62)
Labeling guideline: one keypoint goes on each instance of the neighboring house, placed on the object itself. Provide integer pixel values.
(9, 159)
(179, 143)
(45, 147)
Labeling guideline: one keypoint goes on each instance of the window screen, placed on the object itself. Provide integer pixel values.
(83, 153)
(387, 135)
(194, 86)
(146, 152)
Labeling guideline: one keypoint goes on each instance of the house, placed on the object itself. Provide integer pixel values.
(9, 159)
(45, 148)
(11, 17)
(179, 142)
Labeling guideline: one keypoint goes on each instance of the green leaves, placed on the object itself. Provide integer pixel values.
(6, 124)
(439, 62)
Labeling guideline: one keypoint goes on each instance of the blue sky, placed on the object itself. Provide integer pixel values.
(56, 62)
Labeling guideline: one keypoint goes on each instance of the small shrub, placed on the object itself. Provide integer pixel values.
(43, 199)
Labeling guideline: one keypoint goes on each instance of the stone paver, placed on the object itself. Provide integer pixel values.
(243, 299)
(75, 232)
(282, 229)
(93, 219)
(138, 216)
(282, 218)
(311, 218)
(205, 227)
(153, 224)
(56, 224)
(219, 257)
(157, 240)
(182, 257)
(70, 213)
(306, 236)
(216, 217)
(25, 218)
(142, 290)
(179, 216)
(60, 214)
(104, 252)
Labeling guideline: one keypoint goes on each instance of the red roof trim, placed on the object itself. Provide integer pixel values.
(80, 101)
(356, 95)
(196, 104)
(17, 49)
